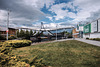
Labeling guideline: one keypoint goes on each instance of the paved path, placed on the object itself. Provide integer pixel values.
(50, 41)
(97, 43)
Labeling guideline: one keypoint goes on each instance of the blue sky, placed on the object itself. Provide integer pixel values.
(46, 11)
(63, 13)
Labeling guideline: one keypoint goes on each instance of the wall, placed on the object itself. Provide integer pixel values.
(99, 25)
(92, 35)
(12, 31)
(86, 35)
(94, 27)
(95, 35)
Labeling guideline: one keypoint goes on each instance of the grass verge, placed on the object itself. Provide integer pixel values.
(63, 54)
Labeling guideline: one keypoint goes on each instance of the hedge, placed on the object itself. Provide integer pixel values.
(7, 59)
(97, 39)
(18, 43)
(12, 37)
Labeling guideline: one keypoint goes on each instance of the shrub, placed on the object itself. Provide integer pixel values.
(18, 43)
(7, 59)
(97, 39)
(2, 38)
(12, 37)
(87, 38)
(70, 36)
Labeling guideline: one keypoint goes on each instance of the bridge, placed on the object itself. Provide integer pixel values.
(43, 29)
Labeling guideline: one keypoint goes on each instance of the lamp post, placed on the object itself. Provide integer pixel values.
(56, 32)
(7, 23)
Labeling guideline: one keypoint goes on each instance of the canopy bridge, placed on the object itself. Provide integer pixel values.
(43, 29)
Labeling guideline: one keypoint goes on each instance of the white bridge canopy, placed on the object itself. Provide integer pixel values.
(46, 29)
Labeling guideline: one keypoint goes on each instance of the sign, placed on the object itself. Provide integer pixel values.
(80, 28)
(94, 27)
(99, 25)
(87, 28)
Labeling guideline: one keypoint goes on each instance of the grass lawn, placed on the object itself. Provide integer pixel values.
(70, 53)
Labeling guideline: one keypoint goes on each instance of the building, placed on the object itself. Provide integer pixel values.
(12, 31)
(75, 33)
(92, 30)
(78, 32)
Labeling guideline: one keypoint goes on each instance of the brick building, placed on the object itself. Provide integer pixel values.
(12, 31)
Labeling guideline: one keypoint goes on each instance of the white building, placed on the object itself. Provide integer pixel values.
(92, 30)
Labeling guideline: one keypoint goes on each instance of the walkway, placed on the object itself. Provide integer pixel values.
(50, 41)
(97, 43)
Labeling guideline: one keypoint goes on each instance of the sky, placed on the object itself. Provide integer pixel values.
(60, 13)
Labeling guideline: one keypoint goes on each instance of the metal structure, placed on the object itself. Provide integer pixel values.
(42, 29)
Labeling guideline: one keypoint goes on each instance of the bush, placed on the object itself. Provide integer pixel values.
(18, 43)
(2, 38)
(12, 37)
(70, 36)
(97, 39)
(87, 38)
(7, 59)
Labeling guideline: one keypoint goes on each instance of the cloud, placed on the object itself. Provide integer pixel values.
(79, 10)
(23, 12)
(39, 3)
(50, 18)
(62, 10)
(57, 9)
(27, 12)
(87, 9)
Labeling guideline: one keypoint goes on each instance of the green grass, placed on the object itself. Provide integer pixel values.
(63, 54)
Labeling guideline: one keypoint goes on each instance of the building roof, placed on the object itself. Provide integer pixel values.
(4, 28)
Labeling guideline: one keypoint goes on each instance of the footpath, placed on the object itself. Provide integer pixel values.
(50, 41)
(97, 43)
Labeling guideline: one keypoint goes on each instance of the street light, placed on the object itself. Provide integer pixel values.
(8, 23)
(56, 32)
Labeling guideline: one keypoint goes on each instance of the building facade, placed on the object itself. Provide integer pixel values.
(92, 30)
(78, 32)
(11, 31)
(75, 33)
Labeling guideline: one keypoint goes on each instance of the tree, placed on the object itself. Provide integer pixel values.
(18, 33)
(22, 33)
(34, 31)
(27, 35)
(31, 33)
